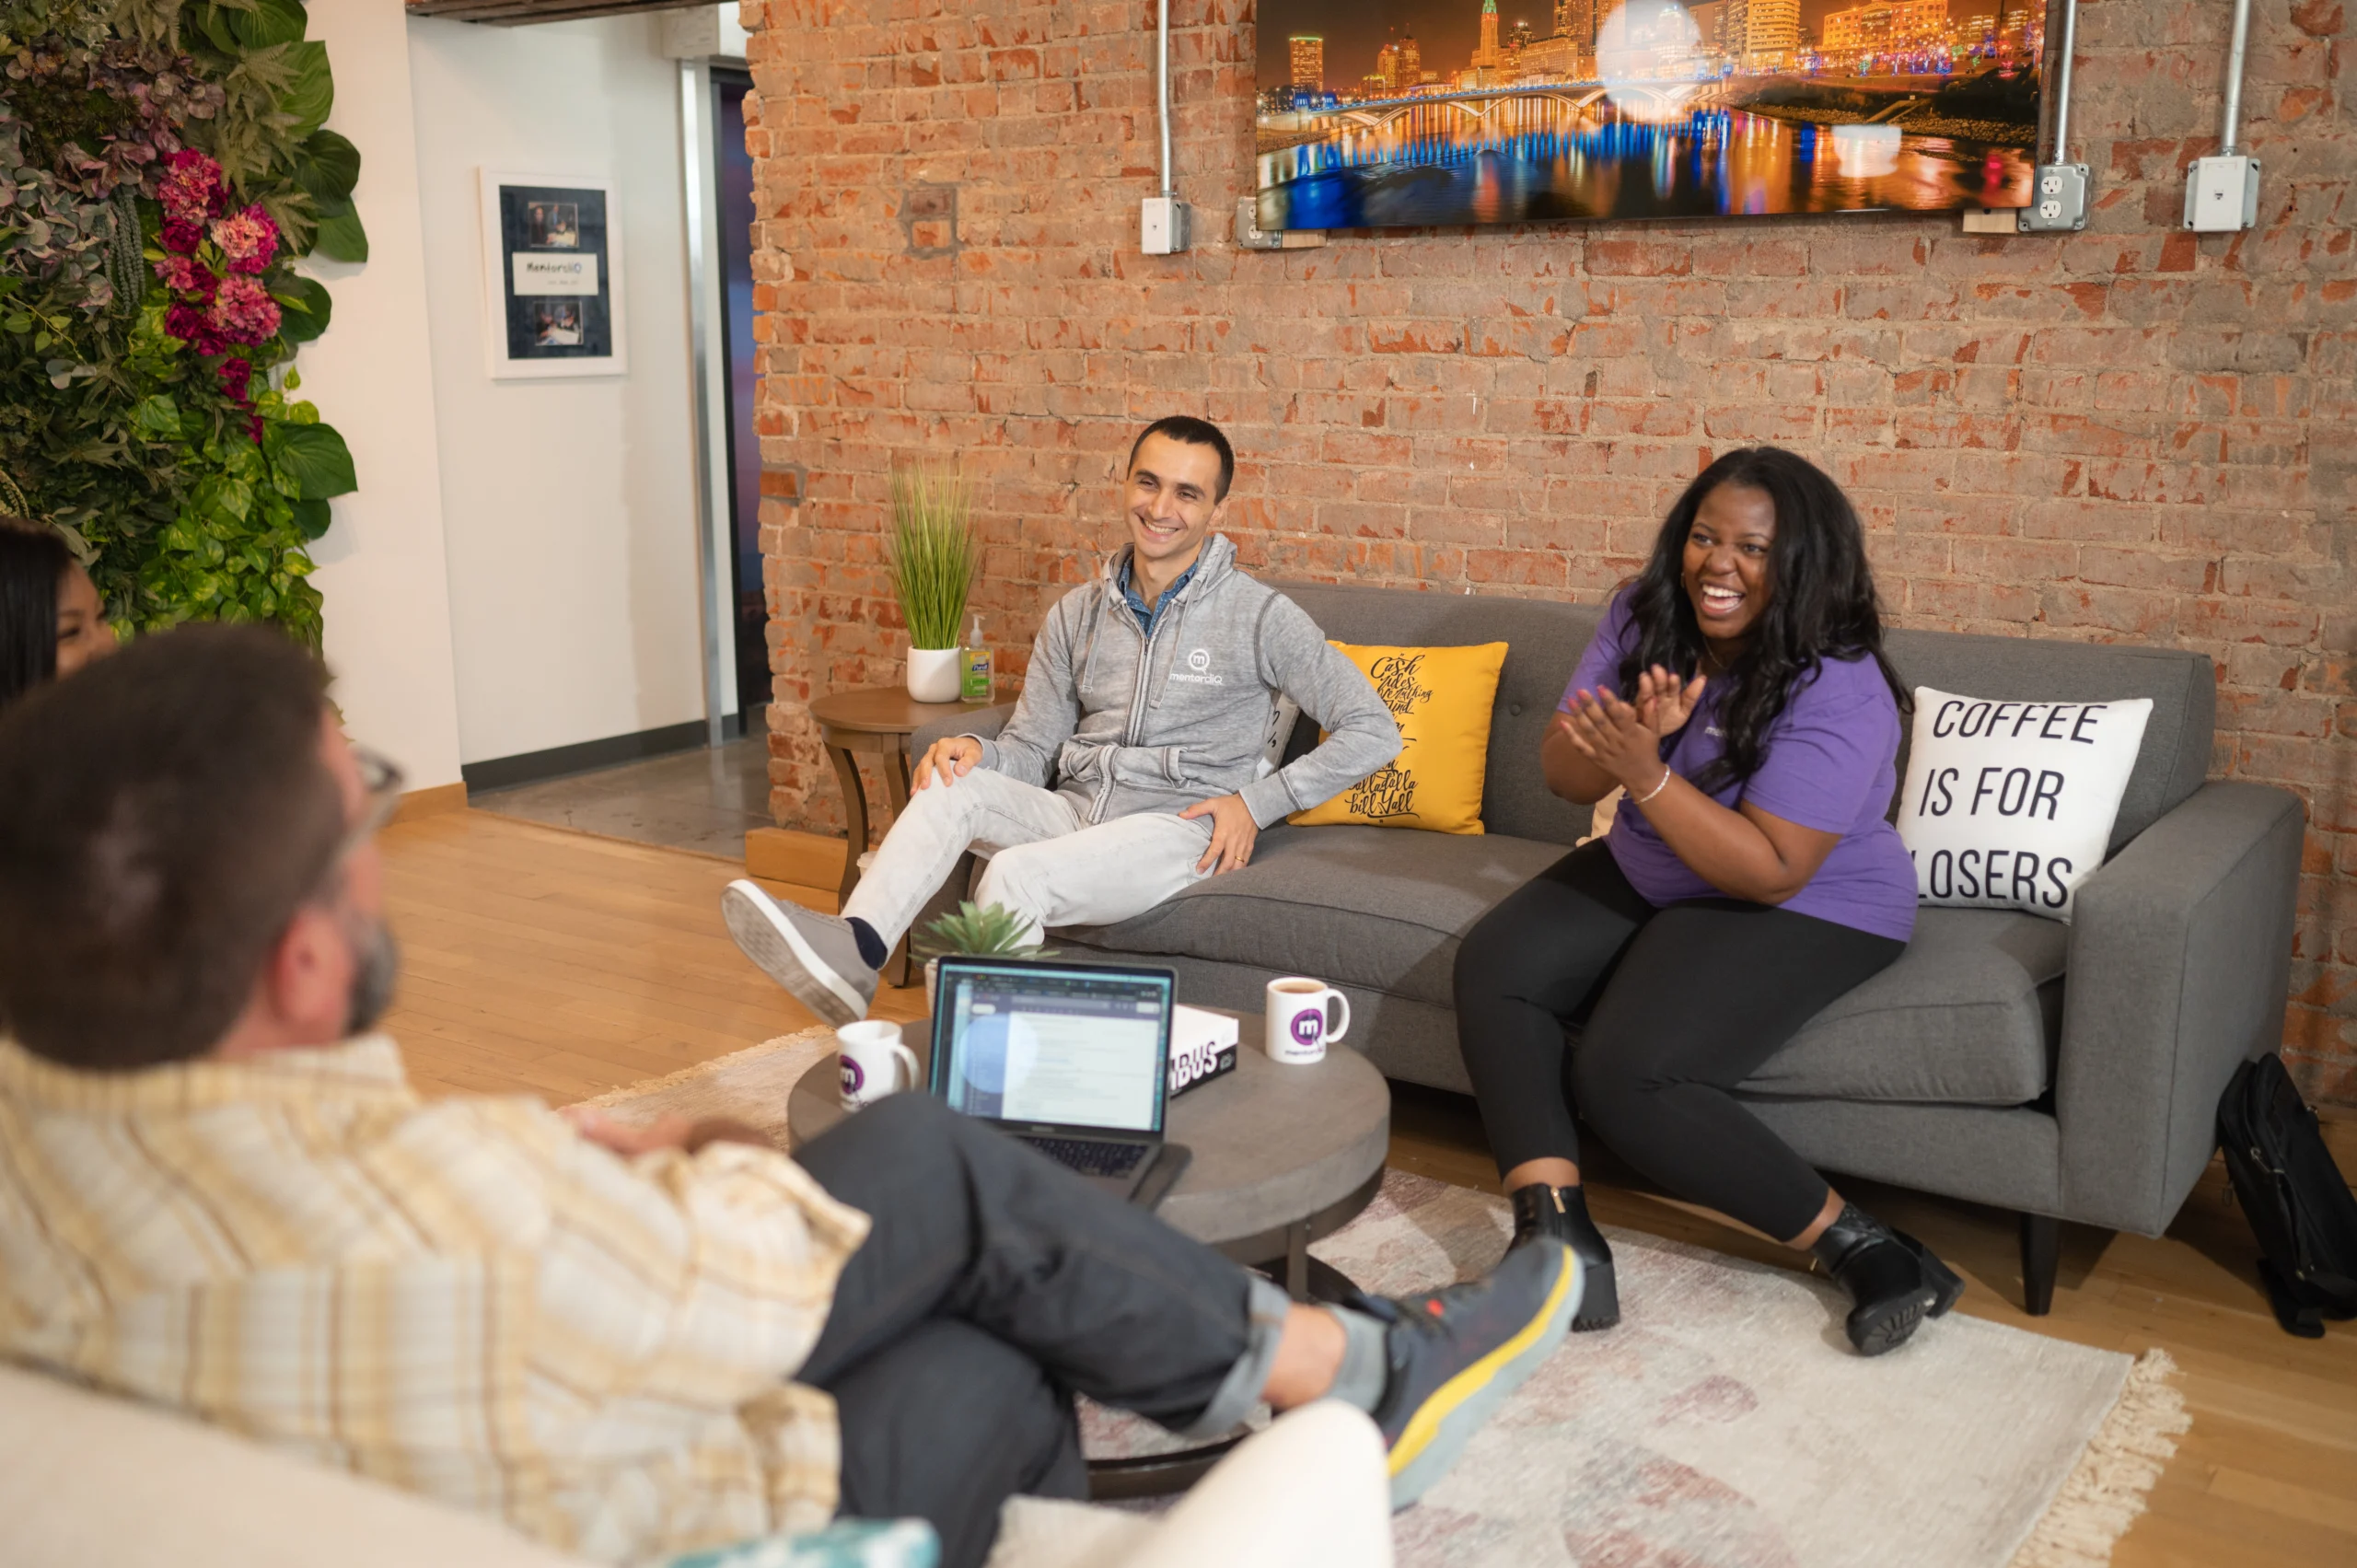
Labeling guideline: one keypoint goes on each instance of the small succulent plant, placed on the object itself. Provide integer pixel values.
(992, 932)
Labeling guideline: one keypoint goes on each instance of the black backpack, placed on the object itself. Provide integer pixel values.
(2299, 1206)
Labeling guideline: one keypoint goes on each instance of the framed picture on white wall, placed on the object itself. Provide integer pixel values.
(552, 276)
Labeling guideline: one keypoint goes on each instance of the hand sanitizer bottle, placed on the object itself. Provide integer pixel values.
(974, 665)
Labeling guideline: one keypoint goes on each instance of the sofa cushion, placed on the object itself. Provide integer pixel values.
(1969, 1015)
(1370, 907)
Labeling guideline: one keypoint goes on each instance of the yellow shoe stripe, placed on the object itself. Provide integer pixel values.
(1465, 1385)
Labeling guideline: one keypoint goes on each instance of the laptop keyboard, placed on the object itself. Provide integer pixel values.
(1089, 1157)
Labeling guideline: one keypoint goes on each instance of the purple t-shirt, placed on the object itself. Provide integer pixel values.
(1830, 763)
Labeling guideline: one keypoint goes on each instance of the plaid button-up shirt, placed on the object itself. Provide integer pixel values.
(463, 1297)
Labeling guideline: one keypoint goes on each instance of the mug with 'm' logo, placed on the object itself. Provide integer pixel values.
(1300, 1021)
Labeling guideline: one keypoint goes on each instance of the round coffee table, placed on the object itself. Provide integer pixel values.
(1283, 1155)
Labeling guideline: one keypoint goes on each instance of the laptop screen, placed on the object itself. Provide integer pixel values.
(1047, 1045)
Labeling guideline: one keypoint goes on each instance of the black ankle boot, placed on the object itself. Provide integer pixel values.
(1947, 1284)
(1892, 1290)
(1560, 1213)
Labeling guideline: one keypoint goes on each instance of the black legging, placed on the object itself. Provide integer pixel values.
(1677, 1006)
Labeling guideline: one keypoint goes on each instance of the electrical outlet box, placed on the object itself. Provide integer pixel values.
(1250, 235)
(2059, 200)
(2221, 194)
(1164, 222)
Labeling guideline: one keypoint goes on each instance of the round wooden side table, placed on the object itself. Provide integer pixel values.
(878, 720)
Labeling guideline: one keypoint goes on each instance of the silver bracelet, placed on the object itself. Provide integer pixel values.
(1667, 772)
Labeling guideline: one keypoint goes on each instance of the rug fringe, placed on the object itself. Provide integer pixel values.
(703, 1069)
(2106, 1490)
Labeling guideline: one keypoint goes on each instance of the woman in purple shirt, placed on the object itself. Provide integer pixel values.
(1737, 692)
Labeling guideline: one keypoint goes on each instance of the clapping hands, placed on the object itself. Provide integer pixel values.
(1624, 738)
(1663, 703)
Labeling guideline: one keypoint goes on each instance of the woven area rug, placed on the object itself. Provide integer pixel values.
(1723, 1425)
(748, 1086)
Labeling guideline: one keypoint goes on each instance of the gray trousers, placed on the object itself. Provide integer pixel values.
(1045, 862)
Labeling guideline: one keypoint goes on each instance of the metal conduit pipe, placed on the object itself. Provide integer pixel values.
(2230, 123)
(2062, 79)
(1162, 77)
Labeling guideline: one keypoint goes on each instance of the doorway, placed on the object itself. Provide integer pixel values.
(733, 169)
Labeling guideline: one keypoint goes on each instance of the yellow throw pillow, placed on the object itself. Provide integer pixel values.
(1440, 698)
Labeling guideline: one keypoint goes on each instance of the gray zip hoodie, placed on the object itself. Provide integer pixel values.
(1120, 724)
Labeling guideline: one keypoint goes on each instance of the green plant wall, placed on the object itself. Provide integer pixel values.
(161, 168)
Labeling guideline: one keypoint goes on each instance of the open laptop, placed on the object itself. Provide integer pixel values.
(1073, 1059)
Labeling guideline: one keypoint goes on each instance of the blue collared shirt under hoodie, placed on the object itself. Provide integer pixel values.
(1136, 601)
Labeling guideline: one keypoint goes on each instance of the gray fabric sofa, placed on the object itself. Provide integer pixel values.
(2064, 1071)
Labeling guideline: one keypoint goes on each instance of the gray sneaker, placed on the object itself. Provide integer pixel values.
(812, 955)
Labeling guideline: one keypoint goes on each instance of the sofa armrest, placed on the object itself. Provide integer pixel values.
(2179, 961)
(984, 722)
(94, 1478)
(1309, 1491)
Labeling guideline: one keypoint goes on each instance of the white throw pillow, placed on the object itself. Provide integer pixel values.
(2009, 805)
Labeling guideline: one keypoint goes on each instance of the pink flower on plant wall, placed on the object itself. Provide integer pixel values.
(181, 237)
(186, 274)
(191, 187)
(247, 239)
(235, 376)
(193, 326)
(243, 311)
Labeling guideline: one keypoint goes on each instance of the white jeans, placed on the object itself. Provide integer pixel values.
(1045, 862)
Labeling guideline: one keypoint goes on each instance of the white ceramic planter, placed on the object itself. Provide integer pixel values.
(932, 675)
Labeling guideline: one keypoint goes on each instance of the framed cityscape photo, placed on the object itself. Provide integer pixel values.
(1408, 114)
(552, 284)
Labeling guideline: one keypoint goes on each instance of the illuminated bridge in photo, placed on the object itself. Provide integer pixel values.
(1478, 104)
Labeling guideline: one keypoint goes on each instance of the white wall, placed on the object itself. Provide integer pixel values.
(381, 564)
(569, 505)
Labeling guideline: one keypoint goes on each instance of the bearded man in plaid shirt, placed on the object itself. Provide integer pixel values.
(218, 1192)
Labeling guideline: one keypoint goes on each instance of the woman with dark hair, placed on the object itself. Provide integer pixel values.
(51, 621)
(1737, 692)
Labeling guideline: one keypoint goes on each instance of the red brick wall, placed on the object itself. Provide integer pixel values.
(2128, 433)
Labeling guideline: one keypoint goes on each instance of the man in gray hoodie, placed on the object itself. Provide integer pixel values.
(1139, 759)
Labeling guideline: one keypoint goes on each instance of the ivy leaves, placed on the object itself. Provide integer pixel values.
(257, 24)
(312, 94)
(327, 169)
(304, 307)
(235, 551)
(312, 457)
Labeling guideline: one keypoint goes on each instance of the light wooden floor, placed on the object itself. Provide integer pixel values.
(566, 965)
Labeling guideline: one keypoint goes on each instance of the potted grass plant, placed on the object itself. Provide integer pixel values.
(932, 556)
(974, 932)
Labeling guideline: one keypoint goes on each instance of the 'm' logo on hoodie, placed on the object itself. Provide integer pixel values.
(1199, 662)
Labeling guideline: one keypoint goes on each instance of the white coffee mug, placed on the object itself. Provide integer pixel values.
(872, 1058)
(1298, 1026)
